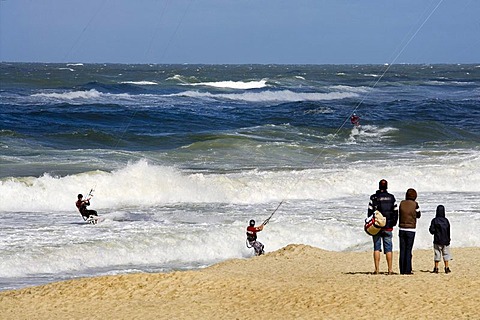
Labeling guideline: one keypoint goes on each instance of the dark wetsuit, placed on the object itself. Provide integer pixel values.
(355, 120)
(82, 207)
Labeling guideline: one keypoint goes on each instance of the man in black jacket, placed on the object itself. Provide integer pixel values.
(385, 203)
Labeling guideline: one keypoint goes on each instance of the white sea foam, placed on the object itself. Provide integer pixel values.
(350, 89)
(182, 79)
(143, 184)
(140, 83)
(68, 249)
(155, 246)
(268, 95)
(91, 94)
(339, 92)
(449, 83)
(70, 95)
(158, 218)
(370, 133)
(244, 85)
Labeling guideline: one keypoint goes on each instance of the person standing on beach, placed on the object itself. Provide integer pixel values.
(252, 237)
(440, 228)
(384, 202)
(409, 212)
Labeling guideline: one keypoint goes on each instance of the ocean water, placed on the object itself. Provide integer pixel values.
(181, 157)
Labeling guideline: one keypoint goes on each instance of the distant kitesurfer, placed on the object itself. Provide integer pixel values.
(252, 237)
(355, 120)
(82, 207)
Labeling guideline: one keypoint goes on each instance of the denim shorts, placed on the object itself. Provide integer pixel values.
(386, 237)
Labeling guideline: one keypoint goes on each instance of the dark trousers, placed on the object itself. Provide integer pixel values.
(406, 246)
(88, 213)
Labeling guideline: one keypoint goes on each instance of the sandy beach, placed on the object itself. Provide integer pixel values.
(295, 282)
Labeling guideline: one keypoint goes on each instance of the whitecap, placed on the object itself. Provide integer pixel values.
(70, 95)
(140, 83)
(233, 84)
(267, 96)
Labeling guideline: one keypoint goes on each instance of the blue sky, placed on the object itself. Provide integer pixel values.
(241, 31)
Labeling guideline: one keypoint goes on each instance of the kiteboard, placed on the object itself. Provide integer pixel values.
(93, 220)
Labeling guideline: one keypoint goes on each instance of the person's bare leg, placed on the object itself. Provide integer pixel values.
(376, 259)
(447, 269)
(389, 256)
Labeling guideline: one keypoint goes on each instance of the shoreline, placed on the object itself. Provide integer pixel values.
(295, 282)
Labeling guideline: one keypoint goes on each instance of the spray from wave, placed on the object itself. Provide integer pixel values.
(142, 184)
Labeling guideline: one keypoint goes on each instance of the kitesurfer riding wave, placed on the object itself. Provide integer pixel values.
(82, 207)
(355, 120)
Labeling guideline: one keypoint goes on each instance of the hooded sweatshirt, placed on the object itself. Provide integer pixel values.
(440, 228)
(409, 211)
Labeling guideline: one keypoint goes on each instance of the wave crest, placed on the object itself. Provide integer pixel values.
(243, 85)
(269, 95)
(70, 95)
(143, 184)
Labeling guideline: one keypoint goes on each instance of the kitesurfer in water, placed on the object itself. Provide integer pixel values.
(82, 207)
(252, 237)
(355, 120)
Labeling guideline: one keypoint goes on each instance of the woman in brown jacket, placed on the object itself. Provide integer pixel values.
(409, 212)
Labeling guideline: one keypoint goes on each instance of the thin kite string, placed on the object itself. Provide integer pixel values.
(157, 27)
(163, 54)
(84, 29)
(358, 105)
(389, 66)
